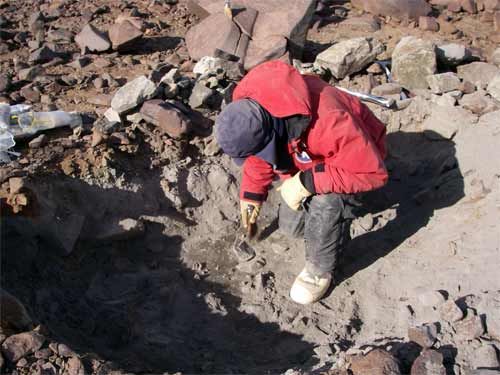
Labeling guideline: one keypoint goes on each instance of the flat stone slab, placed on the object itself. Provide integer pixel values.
(263, 25)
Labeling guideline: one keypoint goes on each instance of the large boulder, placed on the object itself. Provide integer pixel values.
(349, 56)
(413, 59)
(261, 30)
(430, 362)
(401, 9)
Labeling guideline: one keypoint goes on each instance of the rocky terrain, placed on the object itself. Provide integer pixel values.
(117, 234)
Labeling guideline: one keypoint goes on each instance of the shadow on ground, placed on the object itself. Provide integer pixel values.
(131, 300)
(424, 177)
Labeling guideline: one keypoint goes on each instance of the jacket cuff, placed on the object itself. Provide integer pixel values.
(307, 180)
(252, 197)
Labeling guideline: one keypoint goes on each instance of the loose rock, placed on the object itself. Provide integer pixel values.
(453, 54)
(376, 362)
(133, 94)
(413, 59)
(350, 56)
(169, 118)
(450, 312)
(123, 34)
(479, 73)
(18, 346)
(445, 82)
(494, 87)
(424, 335)
(92, 39)
(485, 357)
(428, 24)
(430, 362)
(200, 96)
(471, 327)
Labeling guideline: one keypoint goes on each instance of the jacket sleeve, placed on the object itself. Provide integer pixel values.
(355, 165)
(256, 178)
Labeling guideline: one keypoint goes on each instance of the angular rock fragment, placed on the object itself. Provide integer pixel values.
(132, 94)
(167, 117)
(401, 9)
(450, 312)
(387, 89)
(479, 73)
(494, 87)
(430, 362)
(444, 82)
(18, 346)
(428, 24)
(75, 367)
(29, 74)
(412, 60)
(485, 357)
(42, 55)
(366, 23)
(424, 335)
(201, 96)
(213, 65)
(123, 34)
(92, 39)
(479, 103)
(453, 54)
(432, 298)
(350, 56)
(471, 327)
(376, 362)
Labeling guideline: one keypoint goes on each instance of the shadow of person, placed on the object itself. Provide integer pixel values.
(128, 297)
(424, 176)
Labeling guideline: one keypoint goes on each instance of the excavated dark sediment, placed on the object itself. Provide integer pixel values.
(133, 301)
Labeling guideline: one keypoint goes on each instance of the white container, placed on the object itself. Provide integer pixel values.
(6, 140)
(30, 123)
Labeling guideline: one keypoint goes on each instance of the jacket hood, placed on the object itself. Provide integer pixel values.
(277, 87)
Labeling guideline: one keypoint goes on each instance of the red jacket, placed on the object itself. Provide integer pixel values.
(345, 141)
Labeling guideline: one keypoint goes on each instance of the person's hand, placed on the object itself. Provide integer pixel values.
(249, 213)
(293, 192)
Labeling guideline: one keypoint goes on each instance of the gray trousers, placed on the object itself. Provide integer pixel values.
(324, 223)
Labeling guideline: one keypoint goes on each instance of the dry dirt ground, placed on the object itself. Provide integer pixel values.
(172, 296)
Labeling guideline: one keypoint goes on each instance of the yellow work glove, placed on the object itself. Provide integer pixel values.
(293, 192)
(249, 213)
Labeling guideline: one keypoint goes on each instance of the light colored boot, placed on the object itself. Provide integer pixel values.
(308, 287)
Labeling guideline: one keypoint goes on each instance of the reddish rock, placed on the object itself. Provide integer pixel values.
(92, 39)
(491, 5)
(123, 34)
(424, 335)
(402, 9)
(455, 6)
(18, 346)
(428, 23)
(430, 362)
(471, 327)
(469, 6)
(170, 119)
(376, 362)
